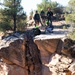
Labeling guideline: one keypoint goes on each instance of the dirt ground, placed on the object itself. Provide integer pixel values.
(60, 25)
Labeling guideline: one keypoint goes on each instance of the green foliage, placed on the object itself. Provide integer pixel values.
(70, 17)
(13, 13)
(72, 5)
(44, 5)
(56, 7)
(58, 10)
(4, 26)
(21, 27)
(72, 34)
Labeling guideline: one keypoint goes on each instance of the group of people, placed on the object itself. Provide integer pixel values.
(43, 18)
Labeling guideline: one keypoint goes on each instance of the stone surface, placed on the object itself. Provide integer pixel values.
(21, 51)
(14, 53)
(54, 35)
(16, 70)
(3, 69)
(49, 45)
(6, 69)
(72, 67)
(26, 55)
(46, 71)
(68, 47)
(59, 65)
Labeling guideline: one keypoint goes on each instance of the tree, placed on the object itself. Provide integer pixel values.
(44, 5)
(70, 17)
(48, 3)
(13, 12)
(56, 8)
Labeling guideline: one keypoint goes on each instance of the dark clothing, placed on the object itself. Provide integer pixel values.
(42, 14)
(36, 17)
(51, 26)
(49, 16)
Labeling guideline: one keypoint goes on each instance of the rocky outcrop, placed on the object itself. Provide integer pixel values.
(57, 56)
(22, 54)
(48, 47)
(15, 52)
(60, 64)
(68, 47)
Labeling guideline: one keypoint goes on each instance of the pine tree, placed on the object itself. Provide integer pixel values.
(14, 11)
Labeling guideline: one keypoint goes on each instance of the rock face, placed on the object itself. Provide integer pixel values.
(59, 65)
(47, 48)
(26, 55)
(53, 60)
(15, 53)
(49, 45)
(68, 47)
(23, 54)
(3, 69)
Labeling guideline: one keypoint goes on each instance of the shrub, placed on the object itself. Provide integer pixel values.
(5, 26)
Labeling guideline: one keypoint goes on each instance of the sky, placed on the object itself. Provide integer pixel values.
(29, 5)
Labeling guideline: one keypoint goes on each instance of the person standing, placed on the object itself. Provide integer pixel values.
(36, 18)
(49, 16)
(42, 15)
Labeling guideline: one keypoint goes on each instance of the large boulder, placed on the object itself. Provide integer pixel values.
(48, 47)
(14, 53)
(29, 55)
(59, 65)
(21, 53)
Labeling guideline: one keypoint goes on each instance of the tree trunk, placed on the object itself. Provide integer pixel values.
(14, 18)
(14, 22)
